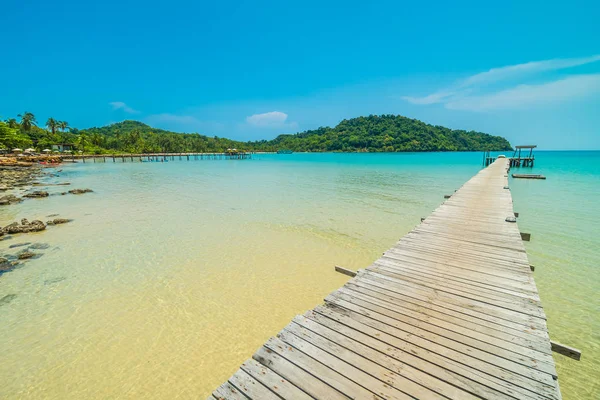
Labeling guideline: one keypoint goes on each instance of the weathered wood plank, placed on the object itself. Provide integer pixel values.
(274, 382)
(565, 350)
(405, 369)
(443, 307)
(413, 386)
(294, 373)
(251, 387)
(422, 347)
(322, 371)
(228, 392)
(492, 356)
(449, 298)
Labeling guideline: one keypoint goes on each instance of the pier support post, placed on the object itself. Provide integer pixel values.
(345, 271)
(571, 352)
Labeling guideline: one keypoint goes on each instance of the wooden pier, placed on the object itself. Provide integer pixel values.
(449, 312)
(525, 160)
(156, 157)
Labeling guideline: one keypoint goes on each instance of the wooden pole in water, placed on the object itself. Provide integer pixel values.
(571, 352)
(345, 271)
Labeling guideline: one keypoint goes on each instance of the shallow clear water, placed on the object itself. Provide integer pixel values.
(172, 274)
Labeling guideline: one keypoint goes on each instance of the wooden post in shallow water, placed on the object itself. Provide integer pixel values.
(565, 350)
(345, 271)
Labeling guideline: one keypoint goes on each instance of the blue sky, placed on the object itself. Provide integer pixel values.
(529, 71)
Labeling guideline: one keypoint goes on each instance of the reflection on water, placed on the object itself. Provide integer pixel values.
(172, 274)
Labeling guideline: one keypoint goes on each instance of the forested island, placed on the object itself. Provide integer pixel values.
(375, 133)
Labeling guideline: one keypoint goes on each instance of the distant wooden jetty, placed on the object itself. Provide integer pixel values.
(525, 160)
(157, 157)
(528, 176)
(518, 159)
(451, 311)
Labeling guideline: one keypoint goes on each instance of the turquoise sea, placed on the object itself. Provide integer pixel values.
(172, 274)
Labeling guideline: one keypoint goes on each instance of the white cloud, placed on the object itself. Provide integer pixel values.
(119, 105)
(527, 95)
(464, 93)
(520, 70)
(273, 119)
(430, 99)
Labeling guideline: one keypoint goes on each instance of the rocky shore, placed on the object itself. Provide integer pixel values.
(19, 181)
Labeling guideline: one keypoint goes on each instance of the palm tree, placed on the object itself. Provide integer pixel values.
(63, 125)
(27, 120)
(82, 141)
(52, 124)
(96, 139)
(12, 123)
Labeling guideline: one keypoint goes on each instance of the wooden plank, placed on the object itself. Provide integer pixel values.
(424, 348)
(456, 307)
(345, 271)
(464, 320)
(228, 392)
(476, 305)
(514, 305)
(519, 274)
(274, 382)
(485, 286)
(565, 350)
(251, 387)
(405, 369)
(492, 356)
(354, 374)
(298, 376)
(483, 280)
(321, 370)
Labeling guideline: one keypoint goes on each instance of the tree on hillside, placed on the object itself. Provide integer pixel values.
(63, 125)
(11, 137)
(82, 141)
(12, 123)
(97, 139)
(52, 124)
(27, 121)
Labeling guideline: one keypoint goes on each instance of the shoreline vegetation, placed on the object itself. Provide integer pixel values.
(374, 133)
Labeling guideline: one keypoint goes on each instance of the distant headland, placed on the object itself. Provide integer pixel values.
(374, 133)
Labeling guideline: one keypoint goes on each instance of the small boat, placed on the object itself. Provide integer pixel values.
(283, 151)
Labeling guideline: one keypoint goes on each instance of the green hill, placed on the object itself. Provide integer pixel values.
(388, 133)
(375, 133)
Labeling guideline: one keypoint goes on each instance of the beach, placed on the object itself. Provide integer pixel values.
(166, 265)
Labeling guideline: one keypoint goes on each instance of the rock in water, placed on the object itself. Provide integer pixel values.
(33, 226)
(12, 246)
(80, 191)
(24, 221)
(5, 265)
(9, 199)
(39, 246)
(26, 255)
(36, 194)
(7, 299)
(58, 221)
